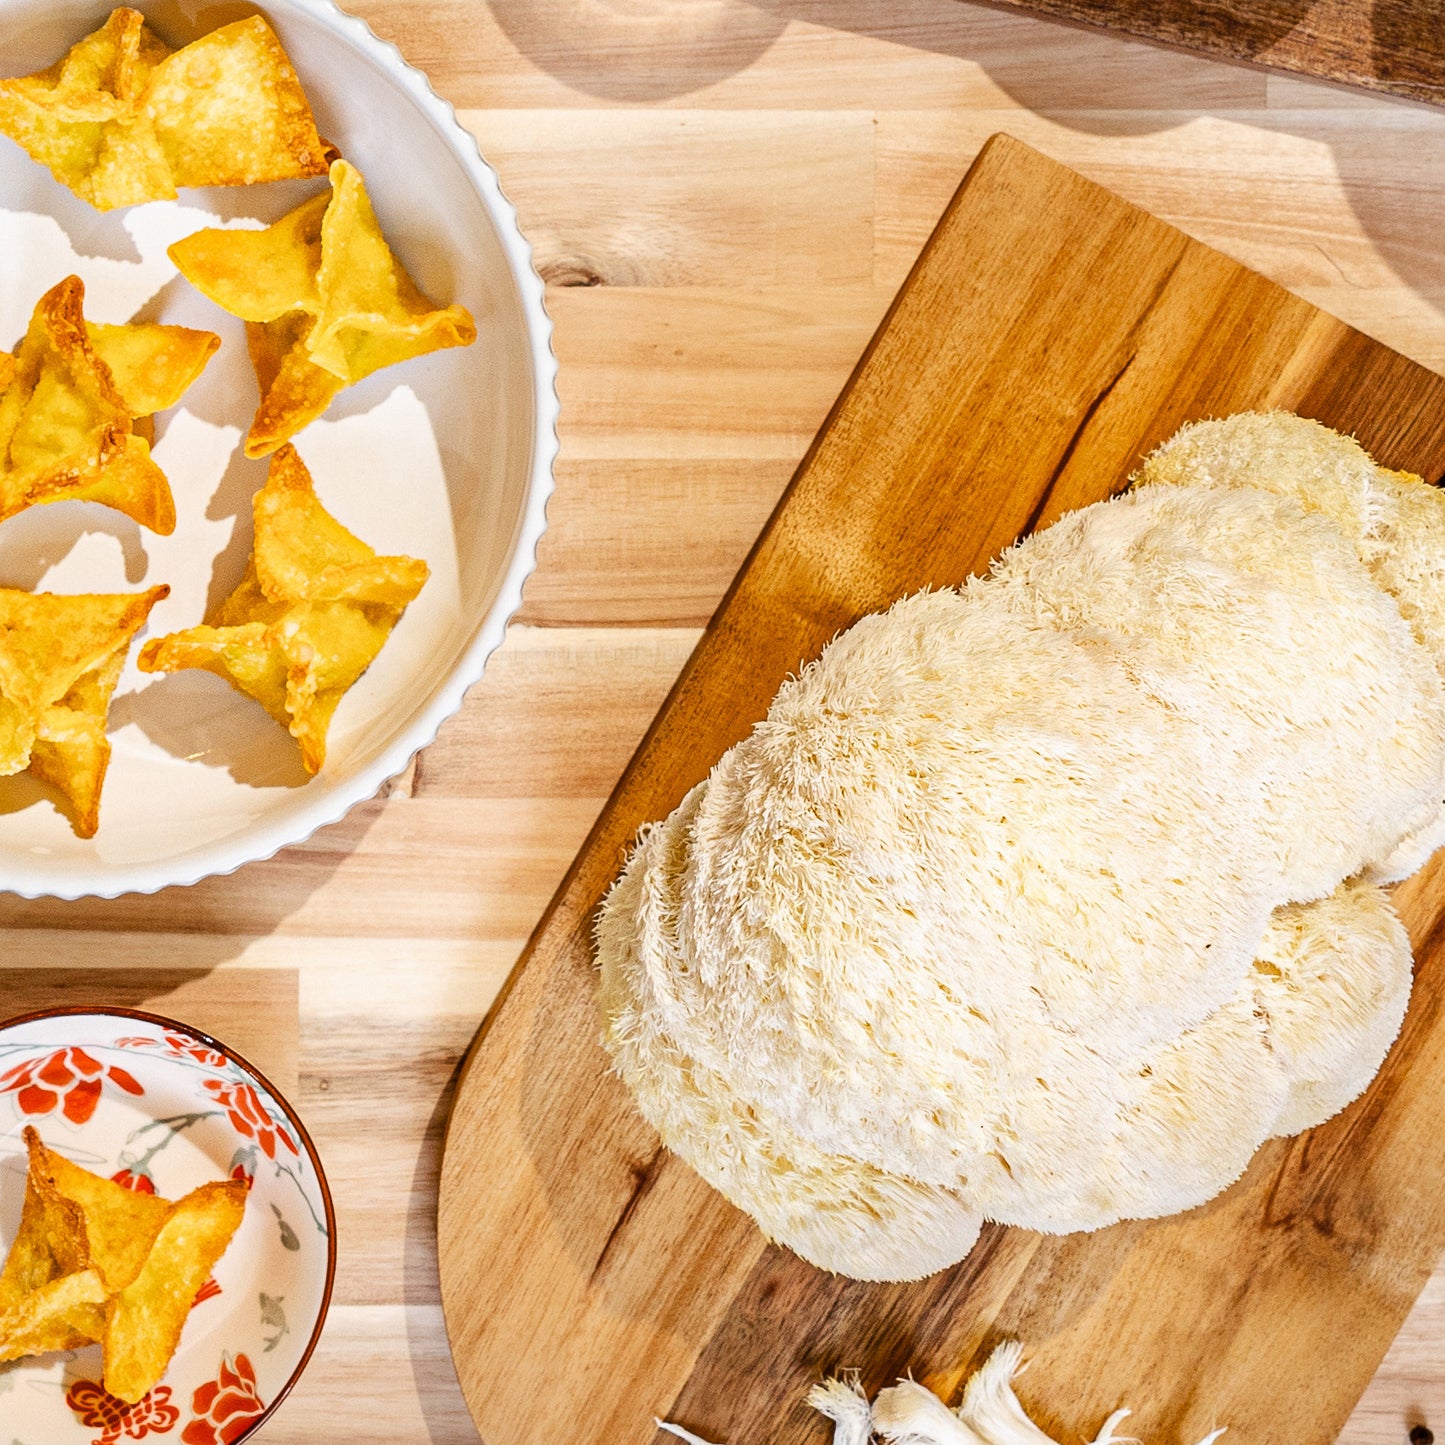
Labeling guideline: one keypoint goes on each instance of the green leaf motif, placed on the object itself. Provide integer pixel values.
(274, 1317)
(288, 1235)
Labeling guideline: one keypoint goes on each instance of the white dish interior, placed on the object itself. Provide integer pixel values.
(447, 457)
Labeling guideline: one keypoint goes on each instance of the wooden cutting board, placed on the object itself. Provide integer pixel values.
(1048, 337)
(1395, 46)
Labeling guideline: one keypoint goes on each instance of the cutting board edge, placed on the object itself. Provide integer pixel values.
(581, 921)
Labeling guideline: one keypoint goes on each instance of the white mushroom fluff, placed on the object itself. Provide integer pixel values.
(1047, 900)
(909, 1414)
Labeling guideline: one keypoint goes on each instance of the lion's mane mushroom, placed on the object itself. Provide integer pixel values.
(1048, 899)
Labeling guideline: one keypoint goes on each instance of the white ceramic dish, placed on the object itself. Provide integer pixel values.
(157, 1106)
(447, 457)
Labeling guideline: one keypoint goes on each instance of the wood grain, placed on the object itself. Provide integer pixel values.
(1048, 337)
(255, 1013)
(401, 923)
(665, 226)
(788, 54)
(1394, 46)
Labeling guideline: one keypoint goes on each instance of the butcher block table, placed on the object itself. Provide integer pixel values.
(723, 198)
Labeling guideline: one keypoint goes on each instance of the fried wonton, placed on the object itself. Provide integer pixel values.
(123, 119)
(324, 301)
(143, 1321)
(60, 659)
(44, 1319)
(94, 1261)
(120, 1224)
(39, 1252)
(70, 398)
(315, 607)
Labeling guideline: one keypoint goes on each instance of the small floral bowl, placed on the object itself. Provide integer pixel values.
(160, 1108)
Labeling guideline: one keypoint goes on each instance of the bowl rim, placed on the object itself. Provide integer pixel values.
(244, 1064)
(264, 838)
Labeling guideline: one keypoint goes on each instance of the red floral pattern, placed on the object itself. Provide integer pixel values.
(70, 1077)
(138, 1183)
(209, 1290)
(249, 1117)
(99, 1409)
(226, 1407)
(181, 1045)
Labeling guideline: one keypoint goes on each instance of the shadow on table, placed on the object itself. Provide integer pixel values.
(640, 50)
(205, 925)
(448, 1421)
(646, 51)
(164, 952)
(253, 1011)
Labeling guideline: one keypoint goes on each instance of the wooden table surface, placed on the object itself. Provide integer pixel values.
(723, 197)
(1395, 46)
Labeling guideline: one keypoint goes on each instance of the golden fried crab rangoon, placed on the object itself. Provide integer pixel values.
(1047, 899)
(96, 1262)
(324, 300)
(122, 118)
(60, 660)
(313, 610)
(75, 403)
